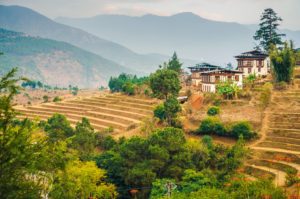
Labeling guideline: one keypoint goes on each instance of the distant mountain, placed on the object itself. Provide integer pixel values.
(25, 20)
(190, 35)
(54, 62)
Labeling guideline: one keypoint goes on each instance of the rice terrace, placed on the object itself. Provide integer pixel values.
(151, 99)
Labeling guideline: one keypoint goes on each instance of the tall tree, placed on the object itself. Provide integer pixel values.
(174, 63)
(267, 33)
(165, 83)
(283, 62)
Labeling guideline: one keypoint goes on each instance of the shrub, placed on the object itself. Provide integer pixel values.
(212, 125)
(281, 85)
(57, 99)
(213, 110)
(265, 96)
(45, 98)
(160, 112)
(242, 129)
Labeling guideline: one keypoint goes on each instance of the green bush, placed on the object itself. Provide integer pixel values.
(213, 110)
(45, 98)
(160, 112)
(212, 125)
(244, 129)
(57, 99)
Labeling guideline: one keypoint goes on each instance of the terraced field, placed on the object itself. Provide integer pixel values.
(122, 113)
(278, 150)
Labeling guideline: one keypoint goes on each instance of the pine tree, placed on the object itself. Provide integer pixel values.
(174, 63)
(267, 33)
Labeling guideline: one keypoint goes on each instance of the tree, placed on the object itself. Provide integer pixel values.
(82, 180)
(84, 139)
(283, 62)
(171, 107)
(267, 32)
(174, 63)
(58, 128)
(160, 112)
(165, 83)
(24, 157)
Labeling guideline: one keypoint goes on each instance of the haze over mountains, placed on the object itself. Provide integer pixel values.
(110, 44)
(54, 62)
(190, 35)
(25, 20)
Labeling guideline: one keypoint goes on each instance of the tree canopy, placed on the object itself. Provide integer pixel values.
(267, 34)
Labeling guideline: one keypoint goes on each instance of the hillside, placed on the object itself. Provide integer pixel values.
(25, 20)
(54, 62)
(190, 35)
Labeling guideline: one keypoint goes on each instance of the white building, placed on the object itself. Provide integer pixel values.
(253, 62)
(206, 77)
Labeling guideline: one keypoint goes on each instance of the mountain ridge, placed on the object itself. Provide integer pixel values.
(22, 19)
(55, 62)
(191, 35)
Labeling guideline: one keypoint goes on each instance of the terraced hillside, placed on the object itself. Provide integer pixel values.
(122, 113)
(278, 150)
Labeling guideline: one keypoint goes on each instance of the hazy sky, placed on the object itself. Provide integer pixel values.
(242, 11)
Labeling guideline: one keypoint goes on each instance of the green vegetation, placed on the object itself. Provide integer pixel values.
(228, 90)
(128, 84)
(283, 62)
(39, 160)
(166, 154)
(212, 125)
(267, 34)
(174, 64)
(213, 110)
(57, 99)
(165, 83)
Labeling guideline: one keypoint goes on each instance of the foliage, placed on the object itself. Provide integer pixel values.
(267, 33)
(58, 128)
(57, 99)
(25, 158)
(174, 64)
(46, 98)
(213, 110)
(74, 90)
(243, 129)
(265, 96)
(228, 89)
(82, 180)
(84, 139)
(126, 83)
(213, 126)
(165, 83)
(160, 112)
(171, 107)
(283, 62)
(250, 80)
(159, 188)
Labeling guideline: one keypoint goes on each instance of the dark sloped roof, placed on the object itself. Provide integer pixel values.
(253, 54)
(221, 70)
(204, 65)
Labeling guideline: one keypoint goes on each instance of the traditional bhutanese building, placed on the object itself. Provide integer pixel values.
(206, 77)
(253, 62)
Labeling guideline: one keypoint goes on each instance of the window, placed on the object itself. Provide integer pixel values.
(249, 70)
(217, 79)
(237, 78)
(259, 69)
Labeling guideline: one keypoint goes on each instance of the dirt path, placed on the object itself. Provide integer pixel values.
(279, 175)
